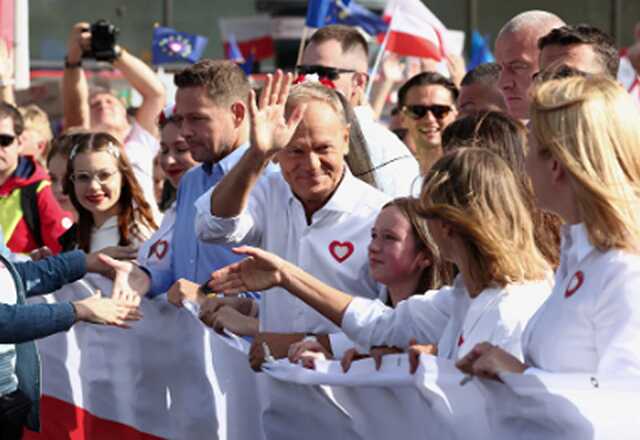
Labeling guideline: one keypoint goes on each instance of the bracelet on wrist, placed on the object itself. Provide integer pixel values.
(70, 65)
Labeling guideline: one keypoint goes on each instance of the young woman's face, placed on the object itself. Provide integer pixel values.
(97, 183)
(393, 254)
(175, 155)
(57, 169)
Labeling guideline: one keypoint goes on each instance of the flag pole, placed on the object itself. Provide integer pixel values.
(376, 65)
(305, 30)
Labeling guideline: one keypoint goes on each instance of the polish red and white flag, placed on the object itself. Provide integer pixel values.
(414, 30)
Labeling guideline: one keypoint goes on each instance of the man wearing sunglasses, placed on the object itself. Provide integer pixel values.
(30, 217)
(338, 55)
(428, 104)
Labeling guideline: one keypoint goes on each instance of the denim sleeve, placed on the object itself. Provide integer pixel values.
(26, 322)
(50, 274)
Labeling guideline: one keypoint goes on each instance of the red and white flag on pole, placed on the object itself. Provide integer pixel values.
(253, 34)
(414, 30)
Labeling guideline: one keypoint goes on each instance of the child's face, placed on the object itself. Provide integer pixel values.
(97, 183)
(393, 254)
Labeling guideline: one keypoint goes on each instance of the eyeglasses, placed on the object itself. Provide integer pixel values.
(332, 73)
(85, 178)
(6, 140)
(420, 111)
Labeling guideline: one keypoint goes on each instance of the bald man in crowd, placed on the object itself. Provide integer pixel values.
(517, 52)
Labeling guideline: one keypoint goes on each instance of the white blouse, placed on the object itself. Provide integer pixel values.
(591, 322)
(448, 317)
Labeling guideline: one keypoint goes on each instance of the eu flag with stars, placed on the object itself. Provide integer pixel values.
(171, 46)
(353, 14)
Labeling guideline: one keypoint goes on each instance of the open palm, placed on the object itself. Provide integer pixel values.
(260, 271)
(270, 131)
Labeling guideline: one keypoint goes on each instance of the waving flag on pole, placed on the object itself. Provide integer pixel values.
(318, 13)
(480, 51)
(252, 34)
(415, 31)
(171, 46)
(353, 14)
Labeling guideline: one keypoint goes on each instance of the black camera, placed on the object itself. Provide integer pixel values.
(103, 41)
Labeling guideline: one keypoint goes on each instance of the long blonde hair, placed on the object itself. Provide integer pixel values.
(592, 127)
(475, 191)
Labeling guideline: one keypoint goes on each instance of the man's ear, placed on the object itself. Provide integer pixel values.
(239, 111)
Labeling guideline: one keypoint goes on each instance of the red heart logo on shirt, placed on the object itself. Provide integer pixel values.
(341, 250)
(159, 249)
(574, 284)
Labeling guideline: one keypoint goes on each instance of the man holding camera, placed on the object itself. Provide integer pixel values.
(101, 110)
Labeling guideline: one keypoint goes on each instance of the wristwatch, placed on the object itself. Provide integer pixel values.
(206, 290)
(68, 65)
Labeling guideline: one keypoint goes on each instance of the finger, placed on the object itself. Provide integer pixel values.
(347, 360)
(413, 341)
(284, 92)
(414, 360)
(377, 358)
(253, 105)
(277, 86)
(266, 92)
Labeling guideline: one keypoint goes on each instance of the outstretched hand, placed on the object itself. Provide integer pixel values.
(270, 131)
(260, 271)
(129, 282)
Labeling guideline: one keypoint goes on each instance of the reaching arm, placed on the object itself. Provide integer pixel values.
(75, 89)
(145, 81)
(6, 74)
(270, 133)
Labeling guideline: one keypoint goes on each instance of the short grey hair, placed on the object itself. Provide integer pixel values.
(542, 21)
(311, 91)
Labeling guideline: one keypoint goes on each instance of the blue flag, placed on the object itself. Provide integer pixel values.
(171, 46)
(318, 13)
(247, 66)
(353, 14)
(480, 52)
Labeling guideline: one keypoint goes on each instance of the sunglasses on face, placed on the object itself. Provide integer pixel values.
(6, 140)
(331, 73)
(420, 111)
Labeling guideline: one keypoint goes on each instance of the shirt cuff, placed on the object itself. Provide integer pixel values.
(211, 228)
(77, 264)
(533, 371)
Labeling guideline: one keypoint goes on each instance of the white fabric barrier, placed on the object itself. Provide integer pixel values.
(168, 375)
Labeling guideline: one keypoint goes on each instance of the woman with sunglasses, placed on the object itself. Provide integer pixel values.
(584, 165)
(477, 216)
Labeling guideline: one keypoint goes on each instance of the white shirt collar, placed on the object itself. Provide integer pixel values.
(575, 246)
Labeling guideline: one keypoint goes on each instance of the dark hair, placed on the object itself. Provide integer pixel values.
(506, 136)
(427, 79)
(603, 44)
(557, 72)
(484, 73)
(63, 144)
(134, 209)
(348, 37)
(224, 80)
(439, 272)
(9, 111)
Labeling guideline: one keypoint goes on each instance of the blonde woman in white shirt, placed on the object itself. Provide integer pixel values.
(477, 216)
(584, 164)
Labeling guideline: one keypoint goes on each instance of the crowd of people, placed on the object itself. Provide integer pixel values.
(494, 220)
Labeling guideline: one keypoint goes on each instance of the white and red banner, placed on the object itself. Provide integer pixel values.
(253, 35)
(166, 377)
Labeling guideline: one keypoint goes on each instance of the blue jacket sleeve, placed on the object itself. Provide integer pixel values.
(26, 322)
(50, 274)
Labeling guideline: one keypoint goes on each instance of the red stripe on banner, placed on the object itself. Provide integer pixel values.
(413, 46)
(62, 420)
(262, 48)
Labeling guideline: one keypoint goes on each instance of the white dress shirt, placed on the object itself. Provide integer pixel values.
(333, 248)
(396, 167)
(448, 317)
(591, 322)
